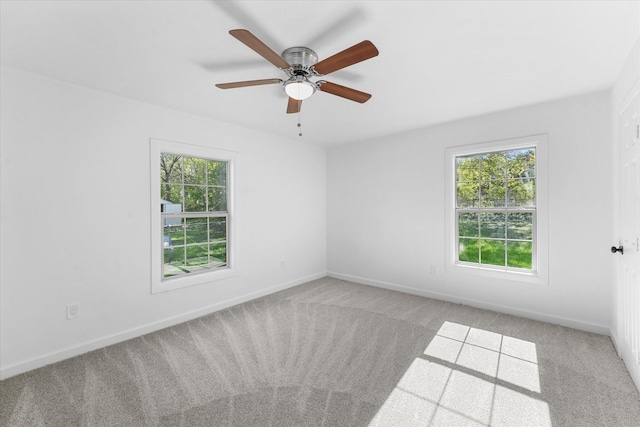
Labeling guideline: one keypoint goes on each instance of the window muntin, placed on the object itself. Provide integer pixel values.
(495, 209)
(194, 211)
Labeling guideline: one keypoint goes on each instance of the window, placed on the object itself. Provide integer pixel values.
(193, 205)
(494, 207)
(191, 214)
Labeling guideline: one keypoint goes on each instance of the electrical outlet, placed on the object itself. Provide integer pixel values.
(72, 311)
(433, 270)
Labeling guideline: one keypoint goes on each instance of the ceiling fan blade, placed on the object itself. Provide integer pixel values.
(259, 47)
(248, 83)
(343, 91)
(294, 105)
(356, 53)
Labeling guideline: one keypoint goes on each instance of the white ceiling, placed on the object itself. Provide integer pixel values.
(439, 60)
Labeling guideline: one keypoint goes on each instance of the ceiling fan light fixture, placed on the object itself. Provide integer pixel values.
(299, 87)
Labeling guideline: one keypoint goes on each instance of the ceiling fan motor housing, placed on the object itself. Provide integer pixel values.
(301, 59)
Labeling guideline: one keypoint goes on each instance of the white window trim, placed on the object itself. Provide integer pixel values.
(540, 272)
(158, 146)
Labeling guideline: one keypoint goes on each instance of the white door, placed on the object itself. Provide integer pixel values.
(629, 261)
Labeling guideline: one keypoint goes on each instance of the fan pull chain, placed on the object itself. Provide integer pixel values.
(299, 123)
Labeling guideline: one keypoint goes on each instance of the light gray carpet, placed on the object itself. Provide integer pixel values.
(334, 353)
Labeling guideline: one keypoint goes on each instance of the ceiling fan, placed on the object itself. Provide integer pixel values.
(301, 63)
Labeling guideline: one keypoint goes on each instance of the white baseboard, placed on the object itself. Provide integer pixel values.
(87, 346)
(563, 321)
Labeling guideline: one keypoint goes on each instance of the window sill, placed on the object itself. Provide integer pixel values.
(193, 280)
(532, 277)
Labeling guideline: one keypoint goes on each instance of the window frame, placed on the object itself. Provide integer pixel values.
(539, 271)
(158, 282)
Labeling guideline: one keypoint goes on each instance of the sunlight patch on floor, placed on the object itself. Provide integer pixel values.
(468, 377)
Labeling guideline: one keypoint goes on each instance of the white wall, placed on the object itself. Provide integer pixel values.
(76, 223)
(386, 215)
